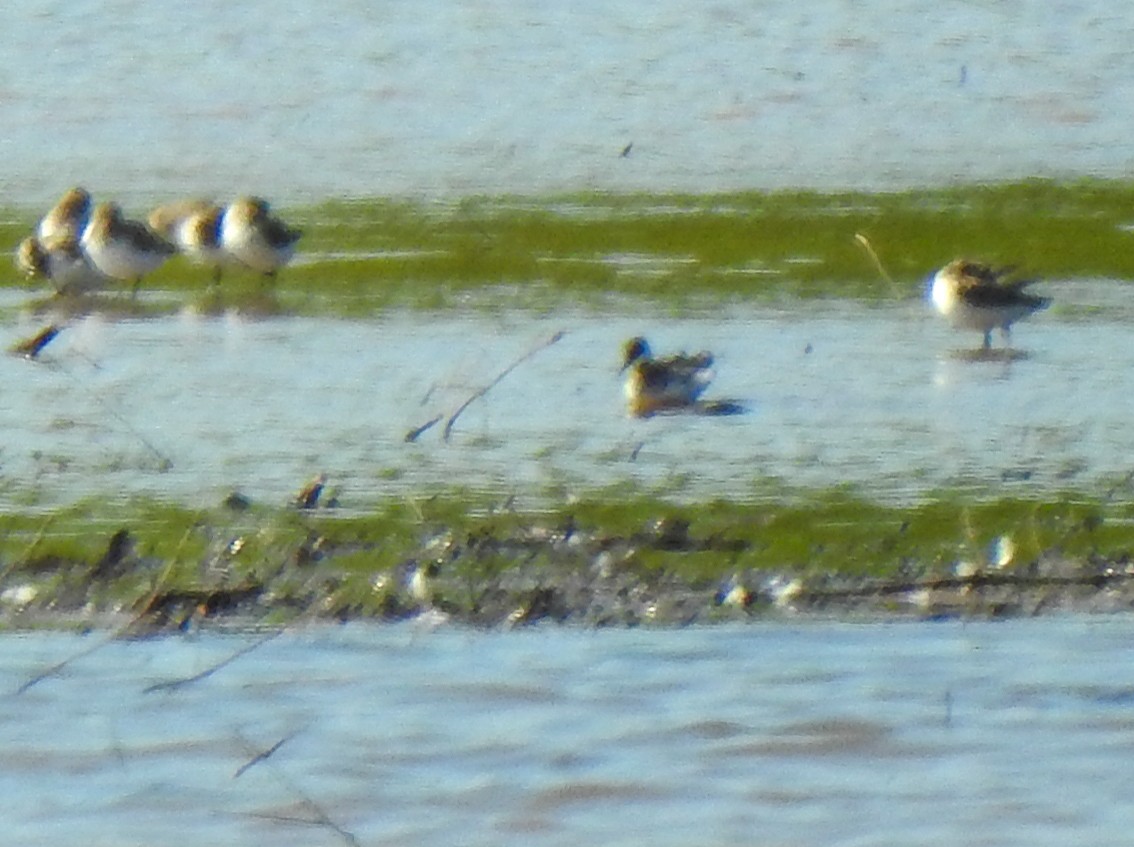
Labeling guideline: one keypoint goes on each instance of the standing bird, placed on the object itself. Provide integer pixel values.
(973, 295)
(123, 249)
(193, 227)
(251, 235)
(61, 261)
(198, 237)
(167, 218)
(666, 384)
(68, 217)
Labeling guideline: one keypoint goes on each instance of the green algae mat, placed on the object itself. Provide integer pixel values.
(358, 257)
(623, 557)
(604, 560)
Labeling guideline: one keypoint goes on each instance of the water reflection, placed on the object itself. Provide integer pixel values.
(191, 408)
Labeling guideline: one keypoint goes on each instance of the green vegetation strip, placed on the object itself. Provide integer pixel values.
(362, 256)
(596, 561)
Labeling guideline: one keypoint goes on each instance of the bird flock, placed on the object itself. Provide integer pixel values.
(970, 295)
(80, 246)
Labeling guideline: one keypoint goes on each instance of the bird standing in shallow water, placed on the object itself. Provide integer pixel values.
(665, 384)
(973, 295)
(123, 249)
(255, 238)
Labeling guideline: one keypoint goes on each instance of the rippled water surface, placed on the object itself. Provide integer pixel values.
(146, 101)
(788, 734)
(882, 397)
(785, 734)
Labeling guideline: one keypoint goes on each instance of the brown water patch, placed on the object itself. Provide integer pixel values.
(836, 737)
(499, 693)
(714, 730)
(589, 793)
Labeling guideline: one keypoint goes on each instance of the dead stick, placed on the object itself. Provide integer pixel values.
(319, 816)
(481, 392)
(413, 434)
(263, 756)
(865, 242)
(20, 561)
(114, 636)
(166, 463)
(209, 671)
(30, 348)
(58, 666)
(325, 823)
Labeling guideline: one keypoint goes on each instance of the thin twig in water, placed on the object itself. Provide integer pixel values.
(209, 671)
(263, 756)
(58, 666)
(413, 434)
(29, 348)
(865, 242)
(347, 836)
(319, 816)
(166, 462)
(114, 636)
(18, 561)
(476, 395)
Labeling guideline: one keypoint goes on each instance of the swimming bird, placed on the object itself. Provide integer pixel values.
(973, 295)
(61, 261)
(68, 217)
(669, 383)
(255, 238)
(123, 249)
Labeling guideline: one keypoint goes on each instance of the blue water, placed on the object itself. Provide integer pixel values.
(144, 103)
(449, 97)
(805, 733)
(882, 398)
(787, 733)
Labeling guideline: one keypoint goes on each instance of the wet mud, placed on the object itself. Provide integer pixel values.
(534, 572)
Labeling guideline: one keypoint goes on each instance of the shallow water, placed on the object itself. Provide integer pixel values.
(885, 398)
(453, 97)
(1012, 733)
(819, 733)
